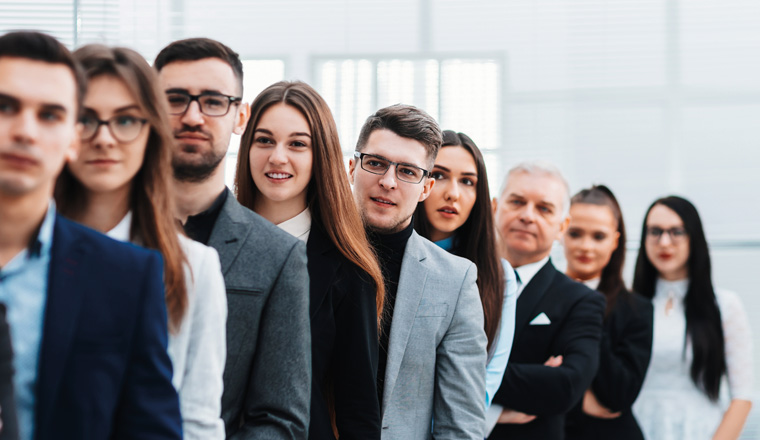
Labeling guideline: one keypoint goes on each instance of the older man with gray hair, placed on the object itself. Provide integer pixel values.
(558, 321)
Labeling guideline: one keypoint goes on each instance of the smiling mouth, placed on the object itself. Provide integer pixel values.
(278, 176)
(382, 201)
(448, 211)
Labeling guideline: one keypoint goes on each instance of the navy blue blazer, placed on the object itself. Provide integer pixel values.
(104, 371)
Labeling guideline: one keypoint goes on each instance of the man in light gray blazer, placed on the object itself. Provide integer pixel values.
(431, 372)
(267, 377)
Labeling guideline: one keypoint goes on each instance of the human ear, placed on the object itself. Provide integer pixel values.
(426, 189)
(351, 169)
(241, 118)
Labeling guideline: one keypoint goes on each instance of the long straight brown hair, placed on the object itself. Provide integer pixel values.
(328, 193)
(151, 193)
(476, 238)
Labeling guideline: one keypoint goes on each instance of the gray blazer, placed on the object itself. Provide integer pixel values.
(435, 376)
(267, 378)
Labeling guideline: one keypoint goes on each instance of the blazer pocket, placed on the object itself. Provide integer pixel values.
(244, 291)
(431, 310)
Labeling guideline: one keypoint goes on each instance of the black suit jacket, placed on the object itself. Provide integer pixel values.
(7, 399)
(344, 345)
(576, 314)
(625, 352)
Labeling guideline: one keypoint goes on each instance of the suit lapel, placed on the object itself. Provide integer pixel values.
(229, 233)
(410, 289)
(532, 295)
(64, 297)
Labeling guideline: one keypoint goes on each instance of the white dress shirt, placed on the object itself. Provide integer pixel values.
(526, 272)
(298, 226)
(198, 350)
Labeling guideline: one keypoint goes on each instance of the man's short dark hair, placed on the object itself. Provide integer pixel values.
(42, 47)
(406, 121)
(194, 49)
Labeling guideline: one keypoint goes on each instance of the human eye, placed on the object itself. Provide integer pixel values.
(600, 236)
(263, 140)
(409, 171)
(299, 144)
(516, 202)
(574, 233)
(545, 209)
(375, 163)
(214, 101)
(177, 99)
(654, 231)
(51, 115)
(8, 106)
(125, 121)
(469, 182)
(678, 232)
(437, 175)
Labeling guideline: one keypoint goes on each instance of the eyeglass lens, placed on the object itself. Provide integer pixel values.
(124, 128)
(406, 173)
(656, 233)
(210, 104)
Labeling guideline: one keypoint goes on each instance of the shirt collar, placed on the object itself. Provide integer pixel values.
(593, 283)
(526, 272)
(44, 240)
(122, 230)
(298, 226)
(667, 289)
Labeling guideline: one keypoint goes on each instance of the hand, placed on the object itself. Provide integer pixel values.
(592, 407)
(516, 417)
(554, 361)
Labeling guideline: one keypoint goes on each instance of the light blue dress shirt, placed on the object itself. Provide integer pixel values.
(502, 348)
(23, 289)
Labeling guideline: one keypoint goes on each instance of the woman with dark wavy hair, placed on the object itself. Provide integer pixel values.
(701, 334)
(121, 185)
(290, 171)
(594, 245)
(458, 217)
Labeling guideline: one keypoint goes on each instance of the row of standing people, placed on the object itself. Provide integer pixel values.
(300, 351)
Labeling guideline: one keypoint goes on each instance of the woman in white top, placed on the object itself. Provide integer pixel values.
(701, 335)
(121, 185)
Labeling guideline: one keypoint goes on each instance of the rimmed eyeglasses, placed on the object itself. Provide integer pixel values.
(379, 165)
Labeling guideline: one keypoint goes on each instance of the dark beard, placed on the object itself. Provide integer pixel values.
(196, 172)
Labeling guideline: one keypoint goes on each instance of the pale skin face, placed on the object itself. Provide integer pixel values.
(529, 216)
(667, 255)
(202, 140)
(590, 240)
(281, 159)
(38, 126)
(386, 204)
(105, 164)
(454, 194)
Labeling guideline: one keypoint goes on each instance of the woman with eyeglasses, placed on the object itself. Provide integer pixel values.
(121, 185)
(594, 245)
(290, 171)
(457, 216)
(701, 334)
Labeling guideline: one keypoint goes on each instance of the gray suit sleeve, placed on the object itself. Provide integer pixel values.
(459, 405)
(278, 398)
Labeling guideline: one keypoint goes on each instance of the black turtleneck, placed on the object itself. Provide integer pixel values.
(390, 250)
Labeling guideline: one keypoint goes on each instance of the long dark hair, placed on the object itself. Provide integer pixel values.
(151, 198)
(328, 193)
(611, 281)
(703, 321)
(476, 238)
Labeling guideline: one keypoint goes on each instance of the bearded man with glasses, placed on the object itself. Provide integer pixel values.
(267, 376)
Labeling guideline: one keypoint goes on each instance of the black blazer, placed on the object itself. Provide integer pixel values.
(625, 352)
(7, 399)
(576, 314)
(344, 344)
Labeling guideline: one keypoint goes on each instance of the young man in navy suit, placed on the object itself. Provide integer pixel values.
(558, 321)
(87, 314)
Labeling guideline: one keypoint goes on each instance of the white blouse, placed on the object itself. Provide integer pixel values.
(670, 406)
(298, 226)
(198, 350)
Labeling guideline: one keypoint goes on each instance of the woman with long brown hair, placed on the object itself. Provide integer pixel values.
(457, 217)
(595, 250)
(120, 185)
(290, 171)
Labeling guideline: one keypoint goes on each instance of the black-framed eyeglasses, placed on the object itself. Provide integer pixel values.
(124, 128)
(210, 103)
(677, 234)
(379, 165)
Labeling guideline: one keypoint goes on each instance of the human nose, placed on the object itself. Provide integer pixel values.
(451, 192)
(192, 116)
(278, 155)
(103, 137)
(665, 238)
(388, 180)
(526, 213)
(25, 129)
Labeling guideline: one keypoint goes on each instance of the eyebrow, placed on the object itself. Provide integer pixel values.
(203, 92)
(400, 163)
(467, 173)
(45, 105)
(295, 133)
